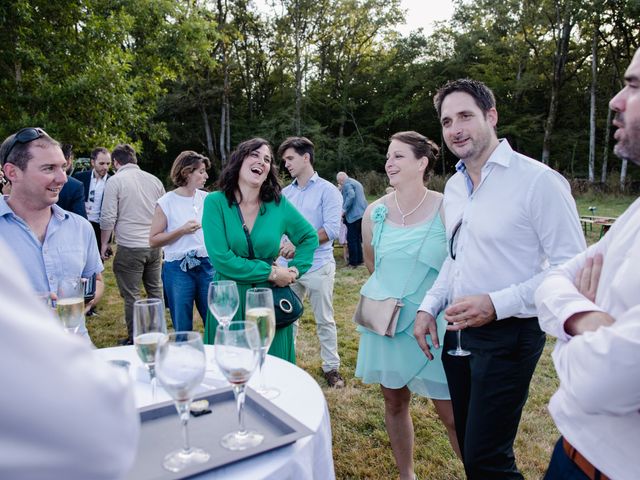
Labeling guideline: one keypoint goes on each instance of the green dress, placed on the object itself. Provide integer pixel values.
(228, 251)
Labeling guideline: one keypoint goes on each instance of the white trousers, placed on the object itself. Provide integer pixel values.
(318, 285)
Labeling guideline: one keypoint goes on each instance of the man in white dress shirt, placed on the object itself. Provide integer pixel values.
(64, 413)
(597, 323)
(508, 217)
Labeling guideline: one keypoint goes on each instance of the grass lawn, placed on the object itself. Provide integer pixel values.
(361, 447)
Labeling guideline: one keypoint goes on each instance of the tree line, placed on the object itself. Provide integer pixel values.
(170, 75)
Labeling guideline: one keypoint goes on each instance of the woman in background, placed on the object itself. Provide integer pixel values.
(249, 185)
(404, 248)
(177, 226)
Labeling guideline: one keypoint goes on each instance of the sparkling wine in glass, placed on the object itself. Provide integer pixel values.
(237, 352)
(259, 310)
(149, 327)
(223, 300)
(180, 366)
(70, 303)
(458, 351)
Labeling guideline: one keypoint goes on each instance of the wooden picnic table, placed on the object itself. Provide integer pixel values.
(604, 222)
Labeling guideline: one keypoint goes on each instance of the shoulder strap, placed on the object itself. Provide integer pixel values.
(246, 232)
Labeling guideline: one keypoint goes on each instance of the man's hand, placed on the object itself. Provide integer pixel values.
(287, 250)
(582, 322)
(105, 251)
(588, 277)
(471, 311)
(425, 325)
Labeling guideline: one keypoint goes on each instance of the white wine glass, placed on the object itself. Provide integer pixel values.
(180, 366)
(70, 303)
(458, 351)
(237, 352)
(259, 310)
(223, 300)
(149, 327)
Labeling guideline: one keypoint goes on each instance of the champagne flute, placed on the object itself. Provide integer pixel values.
(223, 300)
(180, 366)
(70, 303)
(458, 351)
(259, 310)
(237, 352)
(149, 327)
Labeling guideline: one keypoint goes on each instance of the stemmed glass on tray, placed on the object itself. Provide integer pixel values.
(237, 352)
(223, 300)
(149, 327)
(180, 366)
(259, 310)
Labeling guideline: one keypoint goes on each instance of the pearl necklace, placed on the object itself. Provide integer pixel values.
(405, 215)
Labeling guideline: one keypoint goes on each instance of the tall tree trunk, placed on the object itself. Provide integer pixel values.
(605, 153)
(623, 174)
(223, 123)
(559, 61)
(297, 34)
(207, 131)
(592, 109)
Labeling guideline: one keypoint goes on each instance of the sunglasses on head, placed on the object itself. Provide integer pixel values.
(24, 135)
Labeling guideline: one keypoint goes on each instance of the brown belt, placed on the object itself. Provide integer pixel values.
(582, 463)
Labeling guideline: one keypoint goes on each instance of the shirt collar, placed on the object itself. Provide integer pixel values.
(5, 209)
(313, 179)
(500, 156)
(127, 166)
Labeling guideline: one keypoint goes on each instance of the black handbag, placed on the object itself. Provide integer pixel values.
(287, 305)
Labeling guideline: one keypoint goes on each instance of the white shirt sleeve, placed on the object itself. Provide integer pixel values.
(599, 370)
(553, 215)
(64, 413)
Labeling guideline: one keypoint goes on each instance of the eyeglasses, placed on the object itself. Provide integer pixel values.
(24, 135)
(453, 241)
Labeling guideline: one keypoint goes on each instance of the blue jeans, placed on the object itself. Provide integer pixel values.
(354, 242)
(561, 467)
(182, 289)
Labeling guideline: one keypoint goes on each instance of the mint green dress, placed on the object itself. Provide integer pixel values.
(228, 251)
(398, 361)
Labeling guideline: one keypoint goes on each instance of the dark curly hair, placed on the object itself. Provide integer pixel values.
(228, 181)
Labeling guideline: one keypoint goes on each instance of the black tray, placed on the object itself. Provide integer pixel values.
(160, 433)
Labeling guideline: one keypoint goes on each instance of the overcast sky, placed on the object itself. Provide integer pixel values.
(422, 13)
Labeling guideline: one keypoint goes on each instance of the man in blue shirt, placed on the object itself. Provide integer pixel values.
(320, 203)
(50, 242)
(353, 206)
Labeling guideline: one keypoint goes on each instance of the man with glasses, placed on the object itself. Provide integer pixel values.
(128, 205)
(50, 242)
(94, 181)
(509, 218)
(592, 306)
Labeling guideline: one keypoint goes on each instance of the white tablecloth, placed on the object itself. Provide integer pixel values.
(300, 396)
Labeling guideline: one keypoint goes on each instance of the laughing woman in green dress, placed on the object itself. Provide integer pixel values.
(249, 182)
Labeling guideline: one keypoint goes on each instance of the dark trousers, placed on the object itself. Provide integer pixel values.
(488, 391)
(131, 267)
(354, 242)
(561, 467)
(96, 231)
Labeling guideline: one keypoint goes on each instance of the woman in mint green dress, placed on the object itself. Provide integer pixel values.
(249, 182)
(404, 248)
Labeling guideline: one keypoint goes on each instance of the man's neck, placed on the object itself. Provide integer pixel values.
(474, 165)
(304, 177)
(32, 215)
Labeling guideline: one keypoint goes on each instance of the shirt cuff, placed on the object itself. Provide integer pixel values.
(505, 303)
(571, 309)
(431, 305)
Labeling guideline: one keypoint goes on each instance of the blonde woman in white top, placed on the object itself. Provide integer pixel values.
(177, 226)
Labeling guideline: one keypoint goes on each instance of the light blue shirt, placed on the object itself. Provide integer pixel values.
(354, 202)
(69, 247)
(320, 203)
